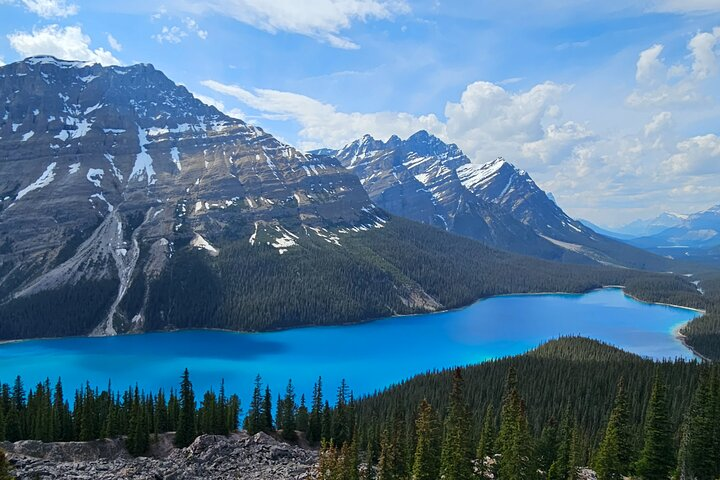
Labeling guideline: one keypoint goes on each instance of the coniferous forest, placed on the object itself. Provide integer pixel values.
(570, 404)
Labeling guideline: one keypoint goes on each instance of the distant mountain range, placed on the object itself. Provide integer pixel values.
(696, 235)
(429, 181)
(128, 205)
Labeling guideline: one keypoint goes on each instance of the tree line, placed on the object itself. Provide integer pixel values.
(44, 413)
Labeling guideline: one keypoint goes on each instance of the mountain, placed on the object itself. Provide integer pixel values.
(427, 180)
(604, 231)
(128, 205)
(697, 235)
(652, 226)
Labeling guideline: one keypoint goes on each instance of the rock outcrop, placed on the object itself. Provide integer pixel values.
(238, 456)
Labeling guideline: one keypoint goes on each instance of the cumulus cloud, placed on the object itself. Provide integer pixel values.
(489, 121)
(2, 61)
(659, 123)
(660, 85)
(68, 43)
(323, 20)
(650, 68)
(486, 122)
(321, 124)
(696, 156)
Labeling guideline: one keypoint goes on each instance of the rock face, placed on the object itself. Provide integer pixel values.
(427, 180)
(239, 456)
(106, 172)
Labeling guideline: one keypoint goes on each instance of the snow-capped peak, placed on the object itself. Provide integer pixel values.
(50, 60)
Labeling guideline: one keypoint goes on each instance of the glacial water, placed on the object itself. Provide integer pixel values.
(370, 356)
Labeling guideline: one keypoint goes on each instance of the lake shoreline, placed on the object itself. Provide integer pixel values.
(676, 331)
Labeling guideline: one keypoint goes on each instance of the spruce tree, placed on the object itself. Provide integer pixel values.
(547, 445)
(267, 423)
(657, 457)
(487, 436)
(302, 418)
(314, 432)
(514, 442)
(186, 422)
(254, 418)
(612, 461)
(456, 456)
(562, 467)
(695, 458)
(390, 460)
(288, 413)
(425, 461)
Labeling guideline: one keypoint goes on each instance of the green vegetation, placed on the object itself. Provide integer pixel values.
(703, 334)
(67, 311)
(649, 427)
(252, 288)
(43, 413)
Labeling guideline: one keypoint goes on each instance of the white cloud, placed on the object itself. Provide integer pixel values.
(46, 8)
(68, 43)
(194, 27)
(176, 34)
(488, 121)
(172, 34)
(705, 61)
(659, 123)
(650, 68)
(2, 61)
(114, 44)
(321, 124)
(696, 156)
(662, 86)
(323, 20)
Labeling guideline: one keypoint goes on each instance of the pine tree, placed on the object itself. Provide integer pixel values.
(613, 458)
(314, 432)
(254, 419)
(514, 443)
(547, 446)
(186, 422)
(390, 461)
(267, 423)
(562, 467)
(657, 457)
(138, 441)
(425, 462)
(288, 414)
(487, 439)
(695, 458)
(456, 457)
(302, 419)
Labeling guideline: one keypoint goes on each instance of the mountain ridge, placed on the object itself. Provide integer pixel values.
(427, 180)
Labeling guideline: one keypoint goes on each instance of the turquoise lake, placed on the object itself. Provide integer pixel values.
(370, 356)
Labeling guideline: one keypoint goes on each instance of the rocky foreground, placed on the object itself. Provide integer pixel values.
(239, 456)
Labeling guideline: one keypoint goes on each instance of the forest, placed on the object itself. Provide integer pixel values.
(569, 404)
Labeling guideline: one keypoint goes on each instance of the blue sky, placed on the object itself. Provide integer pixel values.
(612, 106)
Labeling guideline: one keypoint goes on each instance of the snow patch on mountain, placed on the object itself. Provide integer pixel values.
(43, 181)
